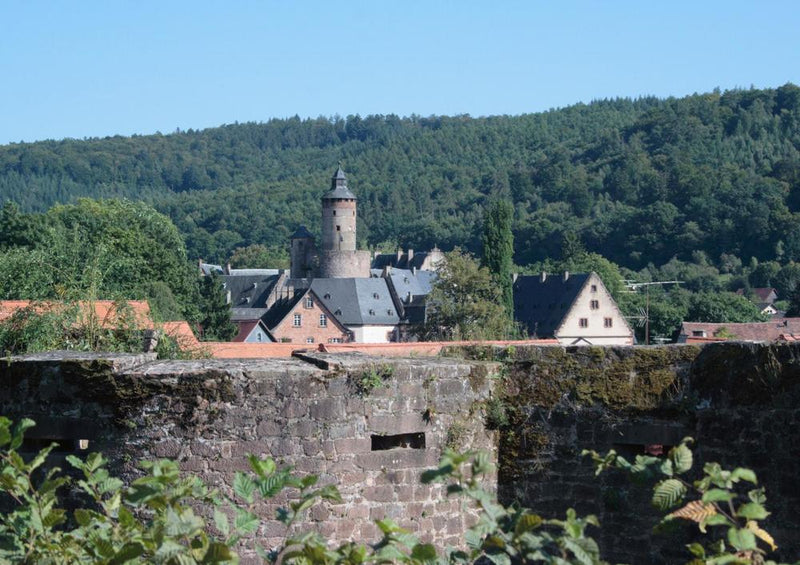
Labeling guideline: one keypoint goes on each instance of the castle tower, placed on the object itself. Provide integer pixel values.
(302, 253)
(339, 216)
(338, 256)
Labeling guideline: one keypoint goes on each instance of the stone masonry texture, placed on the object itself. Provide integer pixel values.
(318, 412)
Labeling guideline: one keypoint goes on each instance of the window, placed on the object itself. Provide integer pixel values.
(309, 302)
(334, 212)
(698, 333)
(323, 321)
(327, 296)
(259, 336)
(298, 320)
(594, 304)
(594, 288)
(608, 323)
(309, 340)
(335, 340)
(338, 228)
(583, 322)
(389, 312)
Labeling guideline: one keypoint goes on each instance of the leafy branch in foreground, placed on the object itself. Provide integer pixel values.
(717, 501)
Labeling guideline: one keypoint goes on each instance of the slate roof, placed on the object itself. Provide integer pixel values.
(339, 187)
(755, 331)
(382, 260)
(249, 291)
(357, 301)
(280, 309)
(247, 314)
(418, 283)
(300, 233)
(209, 268)
(541, 306)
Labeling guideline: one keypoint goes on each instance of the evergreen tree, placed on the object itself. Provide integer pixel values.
(498, 249)
(215, 311)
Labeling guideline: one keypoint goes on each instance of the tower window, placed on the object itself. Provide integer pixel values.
(338, 228)
(334, 212)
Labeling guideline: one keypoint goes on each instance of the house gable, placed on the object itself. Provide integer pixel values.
(594, 317)
(306, 319)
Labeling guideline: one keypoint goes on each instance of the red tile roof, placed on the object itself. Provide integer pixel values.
(754, 331)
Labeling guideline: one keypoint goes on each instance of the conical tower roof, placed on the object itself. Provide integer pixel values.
(339, 190)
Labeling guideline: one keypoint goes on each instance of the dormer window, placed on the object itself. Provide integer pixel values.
(372, 312)
(376, 296)
(327, 296)
(338, 313)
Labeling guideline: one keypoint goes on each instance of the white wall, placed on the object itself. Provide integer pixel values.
(596, 333)
(372, 334)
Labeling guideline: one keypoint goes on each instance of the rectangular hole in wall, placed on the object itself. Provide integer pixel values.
(631, 450)
(413, 441)
(34, 445)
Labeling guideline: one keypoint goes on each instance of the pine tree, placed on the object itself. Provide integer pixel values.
(216, 313)
(498, 249)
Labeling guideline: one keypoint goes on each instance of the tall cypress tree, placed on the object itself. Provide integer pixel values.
(498, 248)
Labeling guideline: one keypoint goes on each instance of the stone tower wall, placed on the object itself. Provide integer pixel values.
(302, 258)
(344, 264)
(338, 225)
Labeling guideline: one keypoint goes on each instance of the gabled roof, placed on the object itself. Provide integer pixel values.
(210, 268)
(755, 331)
(249, 291)
(301, 233)
(247, 327)
(763, 294)
(280, 309)
(541, 305)
(357, 301)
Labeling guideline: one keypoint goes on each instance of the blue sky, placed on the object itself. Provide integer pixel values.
(85, 68)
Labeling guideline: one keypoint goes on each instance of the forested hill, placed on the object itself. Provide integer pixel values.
(639, 181)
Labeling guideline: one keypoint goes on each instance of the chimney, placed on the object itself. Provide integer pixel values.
(408, 297)
(387, 270)
(543, 277)
(566, 276)
(228, 268)
(410, 255)
(413, 270)
(228, 297)
(399, 254)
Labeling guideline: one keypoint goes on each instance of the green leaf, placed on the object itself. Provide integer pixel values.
(741, 538)
(128, 552)
(221, 522)
(527, 522)
(244, 487)
(666, 467)
(752, 511)
(697, 550)
(718, 495)
(218, 553)
(668, 493)
(681, 457)
(744, 475)
(425, 553)
(245, 521)
(261, 467)
(581, 553)
(715, 520)
(19, 432)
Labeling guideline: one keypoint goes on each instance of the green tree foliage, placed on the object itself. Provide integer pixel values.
(216, 320)
(465, 302)
(722, 307)
(639, 181)
(259, 256)
(498, 249)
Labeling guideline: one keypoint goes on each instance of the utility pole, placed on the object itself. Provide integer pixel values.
(633, 286)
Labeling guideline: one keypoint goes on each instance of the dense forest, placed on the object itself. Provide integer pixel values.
(705, 188)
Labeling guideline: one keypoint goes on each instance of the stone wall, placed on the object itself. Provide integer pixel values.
(341, 417)
(739, 401)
